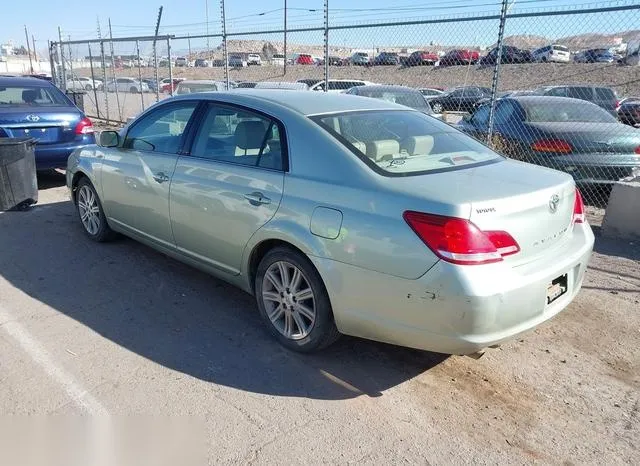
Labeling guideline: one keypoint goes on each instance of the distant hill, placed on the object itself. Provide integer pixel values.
(577, 42)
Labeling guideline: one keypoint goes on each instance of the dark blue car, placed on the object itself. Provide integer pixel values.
(31, 107)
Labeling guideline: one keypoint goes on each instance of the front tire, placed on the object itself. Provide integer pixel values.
(437, 107)
(133, 89)
(293, 301)
(90, 213)
(88, 87)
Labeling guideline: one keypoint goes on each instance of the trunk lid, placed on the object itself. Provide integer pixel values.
(48, 125)
(509, 196)
(613, 138)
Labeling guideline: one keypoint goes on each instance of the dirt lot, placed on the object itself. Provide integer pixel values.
(624, 79)
(119, 329)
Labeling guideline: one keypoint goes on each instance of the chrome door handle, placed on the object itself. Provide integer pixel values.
(257, 198)
(160, 177)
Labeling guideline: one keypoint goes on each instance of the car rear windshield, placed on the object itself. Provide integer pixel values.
(409, 99)
(558, 112)
(196, 87)
(402, 143)
(560, 48)
(31, 96)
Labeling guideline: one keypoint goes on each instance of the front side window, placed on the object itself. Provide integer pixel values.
(234, 135)
(161, 130)
(401, 143)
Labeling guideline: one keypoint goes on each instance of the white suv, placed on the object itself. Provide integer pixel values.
(554, 52)
(254, 59)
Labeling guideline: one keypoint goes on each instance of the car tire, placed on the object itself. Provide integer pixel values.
(133, 89)
(301, 324)
(437, 107)
(89, 208)
(88, 87)
(544, 59)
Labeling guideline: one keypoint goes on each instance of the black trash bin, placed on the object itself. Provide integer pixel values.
(77, 97)
(18, 181)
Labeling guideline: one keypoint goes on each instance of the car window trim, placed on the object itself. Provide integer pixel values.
(284, 142)
(190, 123)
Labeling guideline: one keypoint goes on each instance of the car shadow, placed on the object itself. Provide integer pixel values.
(609, 246)
(181, 318)
(51, 179)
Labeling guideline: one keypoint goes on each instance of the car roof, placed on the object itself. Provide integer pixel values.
(387, 87)
(23, 81)
(199, 81)
(304, 102)
(546, 99)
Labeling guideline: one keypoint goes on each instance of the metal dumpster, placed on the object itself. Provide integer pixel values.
(18, 182)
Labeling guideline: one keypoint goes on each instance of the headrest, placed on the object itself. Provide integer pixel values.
(250, 134)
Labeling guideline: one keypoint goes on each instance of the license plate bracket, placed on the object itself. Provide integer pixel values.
(557, 288)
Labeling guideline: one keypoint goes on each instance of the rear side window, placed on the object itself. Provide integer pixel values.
(604, 93)
(582, 93)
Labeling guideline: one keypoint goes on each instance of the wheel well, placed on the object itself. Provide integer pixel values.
(260, 251)
(74, 184)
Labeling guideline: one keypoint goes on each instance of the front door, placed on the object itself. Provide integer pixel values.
(228, 187)
(136, 176)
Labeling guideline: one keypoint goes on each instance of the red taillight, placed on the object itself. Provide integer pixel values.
(84, 126)
(552, 145)
(459, 241)
(637, 151)
(578, 209)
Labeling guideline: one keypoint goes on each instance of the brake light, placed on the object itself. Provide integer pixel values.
(637, 151)
(84, 126)
(578, 209)
(552, 145)
(459, 241)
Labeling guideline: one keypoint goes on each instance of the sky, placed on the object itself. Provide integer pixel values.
(182, 17)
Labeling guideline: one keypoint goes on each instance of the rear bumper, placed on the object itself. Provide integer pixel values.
(455, 309)
(50, 156)
(591, 169)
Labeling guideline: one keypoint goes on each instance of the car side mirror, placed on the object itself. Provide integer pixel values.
(109, 139)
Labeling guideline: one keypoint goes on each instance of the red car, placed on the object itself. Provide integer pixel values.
(422, 57)
(304, 59)
(165, 85)
(460, 57)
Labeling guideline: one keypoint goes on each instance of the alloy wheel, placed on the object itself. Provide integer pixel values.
(89, 210)
(289, 300)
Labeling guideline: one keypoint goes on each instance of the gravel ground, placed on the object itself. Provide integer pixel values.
(122, 330)
(624, 79)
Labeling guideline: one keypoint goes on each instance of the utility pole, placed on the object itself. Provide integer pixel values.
(35, 54)
(189, 44)
(206, 15)
(155, 54)
(224, 45)
(26, 35)
(285, 37)
(326, 45)
(113, 67)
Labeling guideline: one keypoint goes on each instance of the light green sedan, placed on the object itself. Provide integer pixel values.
(342, 214)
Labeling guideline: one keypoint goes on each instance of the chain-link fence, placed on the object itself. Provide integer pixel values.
(513, 97)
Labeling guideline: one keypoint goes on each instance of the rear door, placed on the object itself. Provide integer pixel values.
(229, 185)
(136, 176)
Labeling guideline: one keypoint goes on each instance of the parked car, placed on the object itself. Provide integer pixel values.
(78, 83)
(237, 60)
(167, 85)
(629, 111)
(510, 55)
(246, 85)
(309, 82)
(360, 59)
(397, 94)
(605, 97)
(254, 59)
(599, 56)
(565, 134)
(127, 85)
(189, 86)
(282, 85)
(304, 59)
(431, 92)
(460, 57)
(153, 85)
(181, 61)
(387, 58)
(338, 85)
(35, 108)
(552, 53)
(420, 58)
(400, 204)
(278, 59)
(335, 61)
(461, 99)
(201, 63)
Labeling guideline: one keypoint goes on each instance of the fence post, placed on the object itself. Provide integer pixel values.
(225, 55)
(93, 81)
(115, 78)
(139, 74)
(170, 67)
(52, 63)
(61, 57)
(326, 45)
(104, 78)
(496, 69)
(285, 38)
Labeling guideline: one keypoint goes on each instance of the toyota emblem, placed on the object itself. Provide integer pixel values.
(553, 203)
(33, 118)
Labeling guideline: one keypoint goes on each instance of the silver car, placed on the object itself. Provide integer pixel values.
(342, 214)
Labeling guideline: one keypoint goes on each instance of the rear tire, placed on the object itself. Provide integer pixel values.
(88, 87)
(133, 89)
(437, 107)
(293, 301)
(94, 223)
